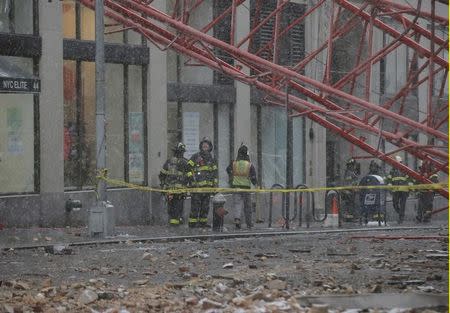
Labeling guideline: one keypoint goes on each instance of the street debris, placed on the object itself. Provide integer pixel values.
(263, 275)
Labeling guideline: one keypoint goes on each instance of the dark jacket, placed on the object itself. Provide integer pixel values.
(203, 169)
(175, 173)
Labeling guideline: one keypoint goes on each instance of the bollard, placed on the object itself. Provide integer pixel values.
(218, 212)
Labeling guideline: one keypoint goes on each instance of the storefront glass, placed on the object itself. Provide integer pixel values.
(135, 126)
(80, 128)
(16, 143)
(17, 133)
(16, 16)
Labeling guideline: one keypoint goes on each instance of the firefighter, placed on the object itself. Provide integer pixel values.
(374, 168)
(352, 171)
(425, 196)
(203, 168)
(175, 174)
(399, 196)
(242, 174)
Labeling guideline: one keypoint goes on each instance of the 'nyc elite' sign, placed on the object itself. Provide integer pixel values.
(19, 85)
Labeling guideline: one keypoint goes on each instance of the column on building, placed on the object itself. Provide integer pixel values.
(242, 127)
(315, 146)
(51, 115)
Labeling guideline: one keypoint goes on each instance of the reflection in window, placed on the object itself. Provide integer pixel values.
(79, 125)
(135, 126)
(16, 16)
(273, 146)
(125, 124)
(68, 20)
(16, 132)
(115, 154)
(16, 143)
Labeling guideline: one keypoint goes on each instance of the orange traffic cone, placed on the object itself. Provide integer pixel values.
(334, 206)
(332, 219)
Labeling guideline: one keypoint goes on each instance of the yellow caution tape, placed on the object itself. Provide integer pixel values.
(122, 183)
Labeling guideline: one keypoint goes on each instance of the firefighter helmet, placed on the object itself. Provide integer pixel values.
(180, 148)
(243, 150)
(398, 158)
(208, 141)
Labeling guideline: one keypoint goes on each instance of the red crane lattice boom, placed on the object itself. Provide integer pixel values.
(329, 103)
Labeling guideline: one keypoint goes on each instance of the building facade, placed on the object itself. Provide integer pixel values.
(154, 98)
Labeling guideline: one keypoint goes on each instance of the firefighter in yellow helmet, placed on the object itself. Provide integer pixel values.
(242, 174)
(203, 168)
(400, 195)
(175, 175)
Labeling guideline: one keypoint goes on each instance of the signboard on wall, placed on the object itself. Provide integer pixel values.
(136, 148)
(19, 85)
(191, 132)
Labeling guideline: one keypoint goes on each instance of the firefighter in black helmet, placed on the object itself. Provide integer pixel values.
(203, 168)
(400, 195)
(426, 196)
(175, 174)
(242, 174)
(351, 174)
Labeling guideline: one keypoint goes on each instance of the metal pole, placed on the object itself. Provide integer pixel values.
(100, 96)
(289, 159)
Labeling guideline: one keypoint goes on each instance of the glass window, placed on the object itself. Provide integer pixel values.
(273, 146)
(135, 126)
(198, 122)
(87, 125)
(87, 23)
(115, 153)
(17, 135)
(174, 131)
(298, 150)
(273, 141)
(16, 16)
(87, 27)
(223, 146)
(79, 126)
(114, 32)
(254, 137)
(68, 20)
(72, 152)
(16, 143)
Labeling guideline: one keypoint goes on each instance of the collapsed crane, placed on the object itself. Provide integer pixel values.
(334, 104)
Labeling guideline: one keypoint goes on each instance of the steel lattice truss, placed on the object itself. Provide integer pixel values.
(333, 104)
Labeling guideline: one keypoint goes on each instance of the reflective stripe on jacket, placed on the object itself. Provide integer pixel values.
(397, 178)
(203, 171)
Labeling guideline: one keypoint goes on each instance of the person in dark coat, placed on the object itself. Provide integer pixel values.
(175, 175)
(203, 169)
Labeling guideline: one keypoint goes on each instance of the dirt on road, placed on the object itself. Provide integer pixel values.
(267, 274)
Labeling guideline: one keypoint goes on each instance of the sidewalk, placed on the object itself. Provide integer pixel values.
(21, 237)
